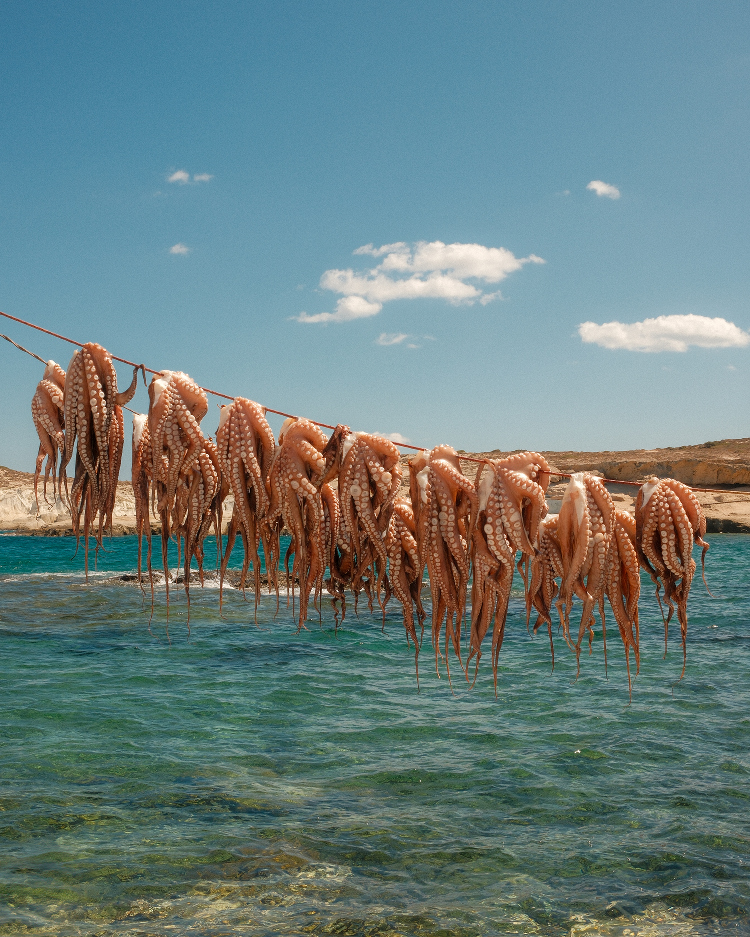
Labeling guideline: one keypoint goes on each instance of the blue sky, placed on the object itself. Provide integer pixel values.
(328, 127)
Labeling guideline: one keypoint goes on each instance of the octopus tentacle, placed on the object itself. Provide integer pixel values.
(697, 518)
(669, 519)
(245, 450)
(623, 588)
(505, 512)
(187, 483)
(296, 469)
(542, 589)
(48, 414)
(447, 501)
(126, 396)
(94, 429)
(404, 573)
(368, 473)
(584, 534)
(141, 478)
(601, 514)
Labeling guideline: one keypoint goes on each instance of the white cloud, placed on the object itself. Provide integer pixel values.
(426, 270)
(394, 437)
(179, 249)
(665, 333)
(391, 338)
(490, 297)
(182, 177)
(348, 308)
(603, 189)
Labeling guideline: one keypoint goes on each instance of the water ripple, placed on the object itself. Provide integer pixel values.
(248, 780)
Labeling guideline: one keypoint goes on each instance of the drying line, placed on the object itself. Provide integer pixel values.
(133, 364)
(21, 348)
(216, 393)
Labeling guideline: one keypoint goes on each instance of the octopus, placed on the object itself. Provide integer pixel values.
(246, 447)
(199, 508)
(446, 501)
(623, 587)
(368, 481)
(176, 407)
(338, 498)
(48, 413)
(295, 501)
(185, 470)
(368, 474)
(545, 568)
(338, 541)
(509, 510)
(94, 426)
(405, 572)
(141, 476)
(669, 520)
(585, 531)
(622, 582)
(334, 550)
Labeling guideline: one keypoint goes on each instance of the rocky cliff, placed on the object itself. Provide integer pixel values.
(724, 464)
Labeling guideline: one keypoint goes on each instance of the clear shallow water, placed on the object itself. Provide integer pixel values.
(253, 781)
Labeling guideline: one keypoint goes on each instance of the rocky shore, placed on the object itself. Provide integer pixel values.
(19, 514)
(724, 464)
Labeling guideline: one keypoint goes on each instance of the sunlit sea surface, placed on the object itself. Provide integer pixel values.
(250, 780)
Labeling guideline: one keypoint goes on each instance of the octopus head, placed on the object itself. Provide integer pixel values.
(288, 422)
(139, 422)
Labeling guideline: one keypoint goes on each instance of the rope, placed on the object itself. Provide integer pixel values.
(208, 390)
(216, 393)
(21, 348)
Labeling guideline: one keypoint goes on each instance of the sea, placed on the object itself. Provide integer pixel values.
(240, 778)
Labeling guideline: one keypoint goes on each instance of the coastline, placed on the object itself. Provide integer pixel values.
(723, 464)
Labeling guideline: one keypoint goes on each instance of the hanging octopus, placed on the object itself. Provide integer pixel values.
(669, 520)
(142, 471)
(447, 502)
(510, 507)
(94, 426)
(368, 482)
(545, 567)
(47, 411)
(176, 407)
(338, 541)
(623, 587)
(405, 572)
(185, 470)
(333, 550)
(198, 508)
(368, 472)
(585, 532)
(116, 444)
(246, 448)
(295, 502)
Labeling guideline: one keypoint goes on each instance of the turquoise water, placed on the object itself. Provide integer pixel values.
(249, 780)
